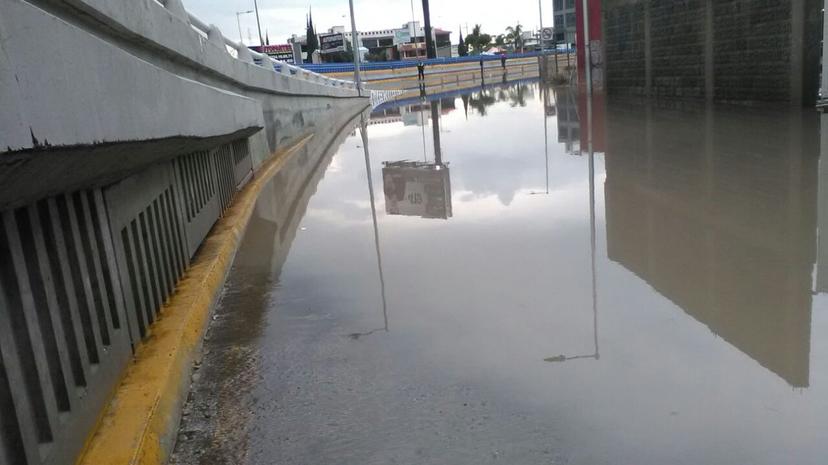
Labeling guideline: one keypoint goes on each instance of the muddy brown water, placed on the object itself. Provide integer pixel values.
(510, 296)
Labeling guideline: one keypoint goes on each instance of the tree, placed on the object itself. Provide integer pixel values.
(477, 40)
(500, 40)
(461, 46)
(312, 41)
(514, 35)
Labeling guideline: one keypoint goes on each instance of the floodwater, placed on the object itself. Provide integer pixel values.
(449, 284)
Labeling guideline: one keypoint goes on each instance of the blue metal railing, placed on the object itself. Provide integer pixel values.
(391, 65)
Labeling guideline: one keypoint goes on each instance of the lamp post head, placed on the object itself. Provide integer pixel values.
(557, 358)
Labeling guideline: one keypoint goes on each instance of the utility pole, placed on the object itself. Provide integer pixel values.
(540, 37)
(238, 23)
(430, 51)
(355, 47)
(258, 23)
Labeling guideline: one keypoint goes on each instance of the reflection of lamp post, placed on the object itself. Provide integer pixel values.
(595, 355)
(545, 137)
(435, 130)
(363, 130)
(238, 23)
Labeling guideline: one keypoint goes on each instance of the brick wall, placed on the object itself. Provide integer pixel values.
(751, 48)
(677, 30)
(624, 47)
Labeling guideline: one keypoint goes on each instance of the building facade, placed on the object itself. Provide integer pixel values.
(565, 22)
(406, 42)
(724, 51)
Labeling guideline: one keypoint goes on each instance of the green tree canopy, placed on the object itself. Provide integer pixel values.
(477, 39)
(312, 41)
(514, 35)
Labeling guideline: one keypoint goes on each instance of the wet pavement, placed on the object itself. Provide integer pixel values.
(462, 280)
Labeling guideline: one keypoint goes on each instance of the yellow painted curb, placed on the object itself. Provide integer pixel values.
(139, 425)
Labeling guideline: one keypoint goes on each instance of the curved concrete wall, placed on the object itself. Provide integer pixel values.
(94, 90)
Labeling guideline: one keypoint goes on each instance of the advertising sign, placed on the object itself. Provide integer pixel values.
(330, 43)
(402, 36)
(282, 52)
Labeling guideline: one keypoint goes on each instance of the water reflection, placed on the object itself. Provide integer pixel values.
(363, 132)
(414, 188)
(566, 105)
(569, 327)
(717, 212)
(595, 355)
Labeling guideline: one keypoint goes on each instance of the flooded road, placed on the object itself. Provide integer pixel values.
(461, 280)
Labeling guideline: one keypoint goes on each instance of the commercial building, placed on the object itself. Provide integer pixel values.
(565, 21)
(406, 42)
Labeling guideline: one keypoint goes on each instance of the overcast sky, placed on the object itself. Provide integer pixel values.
(281, 18)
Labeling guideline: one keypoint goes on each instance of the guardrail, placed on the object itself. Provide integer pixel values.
(243, 53)
(392, 65)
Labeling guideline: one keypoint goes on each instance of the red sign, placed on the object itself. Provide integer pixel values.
(596, 63)
(596, 43)
(281, 52)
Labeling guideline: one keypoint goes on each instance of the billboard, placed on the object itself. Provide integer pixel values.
(402, 36)
(417, 189)
(283, 52)
(330, 43)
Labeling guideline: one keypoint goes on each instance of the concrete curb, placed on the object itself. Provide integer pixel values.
(139, 425)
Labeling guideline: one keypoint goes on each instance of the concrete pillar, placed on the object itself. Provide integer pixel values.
(824, 56)
(709, 37)
(822, 208)
(797, 51)
(648, 53)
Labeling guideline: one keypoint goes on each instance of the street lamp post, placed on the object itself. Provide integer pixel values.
(258, 22)
(355, 47)
(238, 23)
(540, 36)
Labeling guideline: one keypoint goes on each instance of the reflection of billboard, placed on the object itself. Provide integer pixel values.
(417, 189)
(330, 43)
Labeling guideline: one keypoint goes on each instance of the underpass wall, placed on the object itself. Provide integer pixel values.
(125, 135)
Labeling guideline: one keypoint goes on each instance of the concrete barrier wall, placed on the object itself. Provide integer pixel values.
(106, 88)
(126, 129)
